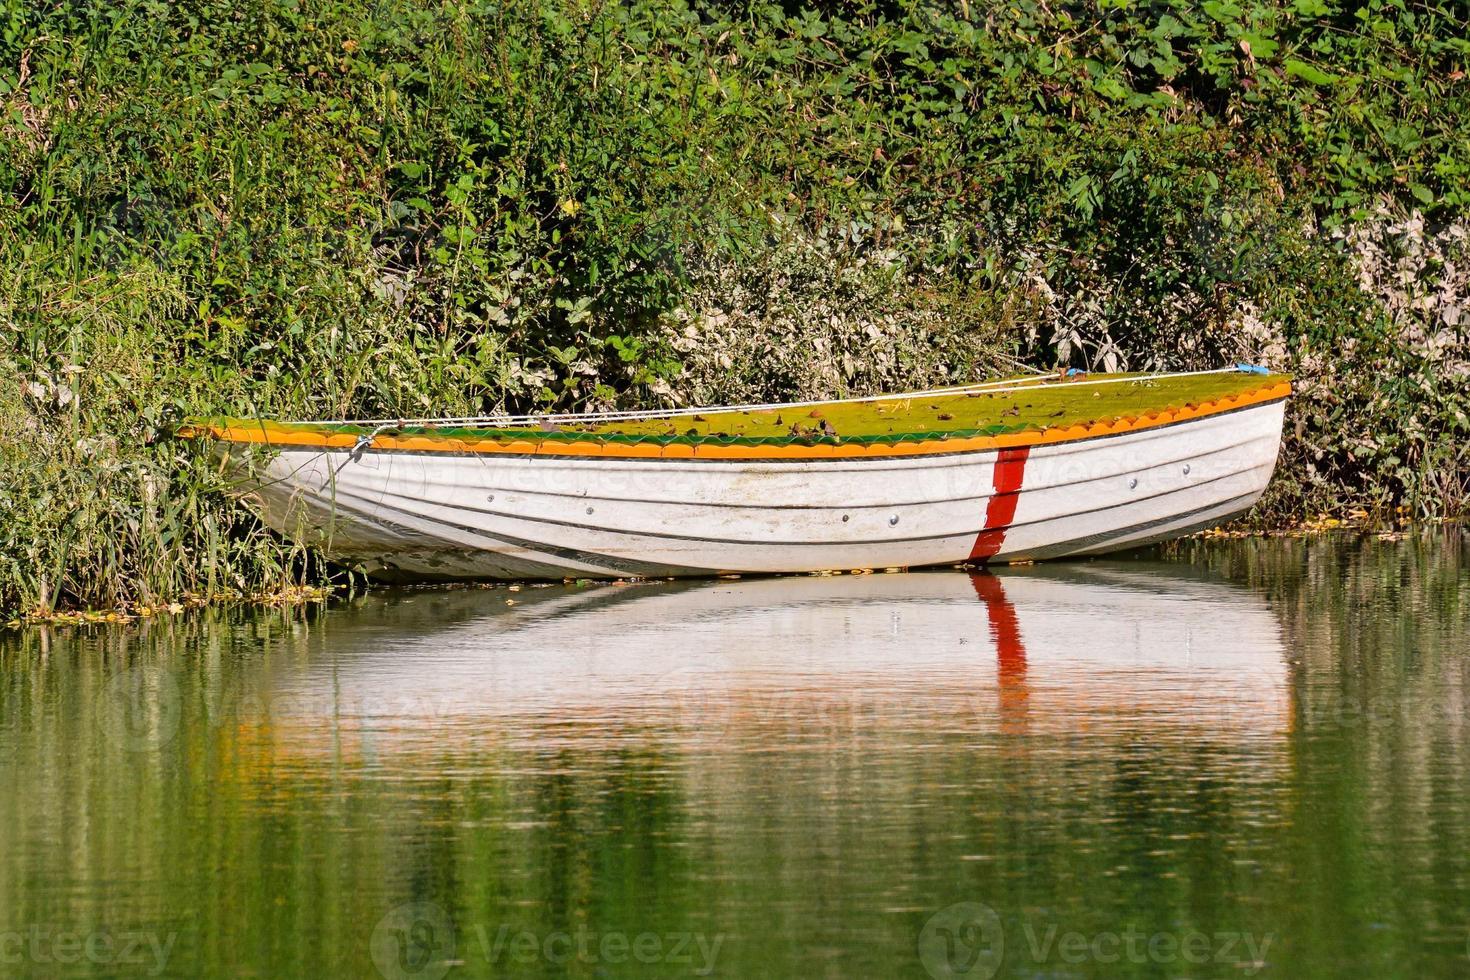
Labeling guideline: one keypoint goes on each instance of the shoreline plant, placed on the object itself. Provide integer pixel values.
(342, 207)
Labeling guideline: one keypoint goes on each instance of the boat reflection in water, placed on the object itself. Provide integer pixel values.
(1093, 649)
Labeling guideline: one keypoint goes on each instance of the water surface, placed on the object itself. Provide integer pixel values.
(1230, 759)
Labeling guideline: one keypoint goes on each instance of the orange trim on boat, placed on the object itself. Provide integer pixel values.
(274, 434)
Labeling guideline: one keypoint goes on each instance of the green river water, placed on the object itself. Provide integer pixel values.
(1227, 759)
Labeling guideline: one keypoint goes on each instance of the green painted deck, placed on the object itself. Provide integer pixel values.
(1029, 405)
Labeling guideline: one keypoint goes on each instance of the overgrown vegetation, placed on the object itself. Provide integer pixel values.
(348, 207)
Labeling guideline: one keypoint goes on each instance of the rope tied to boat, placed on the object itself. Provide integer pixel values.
(365, 442)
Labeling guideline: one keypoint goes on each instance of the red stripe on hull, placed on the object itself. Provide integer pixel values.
(1010, 467)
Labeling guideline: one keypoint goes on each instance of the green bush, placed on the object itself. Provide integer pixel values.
(333, 208)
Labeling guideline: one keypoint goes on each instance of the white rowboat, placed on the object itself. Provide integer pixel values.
(1011, 471)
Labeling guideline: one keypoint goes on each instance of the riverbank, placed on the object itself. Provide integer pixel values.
(384, 210)
(129, 615)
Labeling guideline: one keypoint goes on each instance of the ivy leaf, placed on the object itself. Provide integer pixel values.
(1225, 13)
(1260, 47)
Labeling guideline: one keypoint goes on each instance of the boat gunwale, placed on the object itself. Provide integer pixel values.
(522, 442)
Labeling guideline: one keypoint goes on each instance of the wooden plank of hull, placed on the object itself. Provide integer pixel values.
(446, 515)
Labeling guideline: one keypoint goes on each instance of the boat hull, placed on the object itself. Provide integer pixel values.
(405, 514)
